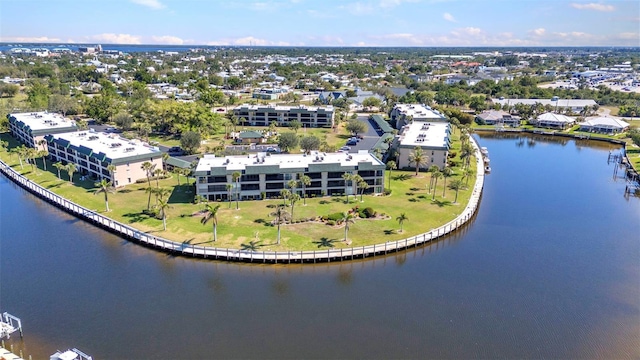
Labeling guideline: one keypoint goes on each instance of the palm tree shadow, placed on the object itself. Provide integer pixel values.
(441, 203)
(390, 232)
(402, 177)
(324, 242)
(136, 217)
(252, 245)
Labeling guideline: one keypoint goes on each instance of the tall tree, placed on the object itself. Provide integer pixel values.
(229, 187)
(401, 219)
(347, 219)
(59, 167)
(105, 187)
(163, 206)
(211, 213)
(236, 178)
(347, 177)
(391, 165)
(456, 185)
(71, 168)
(432, 170)
(293, 200)
(436, 175)
(304, 181)
(280, 215)
(446, 172)
(148, 168)
(418, 158)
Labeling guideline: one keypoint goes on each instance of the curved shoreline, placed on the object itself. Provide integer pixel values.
(271, 257)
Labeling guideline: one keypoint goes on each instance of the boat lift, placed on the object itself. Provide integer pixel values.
(73, 354)
(9, 324)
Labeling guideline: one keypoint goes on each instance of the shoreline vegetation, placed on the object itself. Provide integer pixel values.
(252, 226)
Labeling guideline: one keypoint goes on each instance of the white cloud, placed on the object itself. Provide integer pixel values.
(593, 6)
(358, 8)
(247, 41)
(393, 3)
(154, 4)
(30, 39)
(448, 17)
(538, 31)
(629, 36)
(168, 40)
(117, 38)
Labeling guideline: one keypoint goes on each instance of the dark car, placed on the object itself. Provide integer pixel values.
(176, 151)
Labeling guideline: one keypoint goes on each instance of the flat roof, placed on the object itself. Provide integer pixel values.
(419, 111)
(110, 145)
(44, 121)
(285, 161)
(425, 135)
(559, 102)
(284, 108)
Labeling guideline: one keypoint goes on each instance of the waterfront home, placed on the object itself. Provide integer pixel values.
(432, 137)
(553, 121)
(263, 115)
(30, 128)
(605, 125)
(93, 152)
(497, 117)
(265, 174)
(575, 105)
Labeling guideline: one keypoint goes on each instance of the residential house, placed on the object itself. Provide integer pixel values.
(432, 137)
(263, 115)
(605, 125)
(497, 117)
(553, 121)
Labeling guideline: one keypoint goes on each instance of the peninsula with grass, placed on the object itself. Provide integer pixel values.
(304, 199)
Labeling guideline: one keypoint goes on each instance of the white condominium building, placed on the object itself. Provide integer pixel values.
(265, 175)
(30, 128)
(93, 152)
(264, 115)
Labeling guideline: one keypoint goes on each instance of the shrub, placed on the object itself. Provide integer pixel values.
(367, 213)
(387, 192)
(331, 222)
(335, 216)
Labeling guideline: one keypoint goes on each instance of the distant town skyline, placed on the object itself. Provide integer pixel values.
(323, 23)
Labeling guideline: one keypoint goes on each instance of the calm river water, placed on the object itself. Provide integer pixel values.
(549, 268)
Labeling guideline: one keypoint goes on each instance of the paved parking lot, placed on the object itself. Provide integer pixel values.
(370, 137)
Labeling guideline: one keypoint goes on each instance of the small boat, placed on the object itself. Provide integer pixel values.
(484, 151)
(487, 169)
(486, 160)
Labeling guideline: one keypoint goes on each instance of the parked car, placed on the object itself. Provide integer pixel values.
(176, 151)
(345, 148)
(352, 141)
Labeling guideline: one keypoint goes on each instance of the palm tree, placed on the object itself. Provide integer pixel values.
(229, 187)
(436, 175)
(148, 168)
(347, 177)
(105, 187)
(456, 185)
(467, 174)
(401, 219)
(285, 193)
(304, 181)
(347, 218)
(362, 185)
(42, 142)
(418, 158)
(391, 165)
(19, 151)
(43, 154)
(432, 170)
(466, 151)
(280, 216)
(163, 205)
(161, 194)
(112, 170)
(71, 168)
(157, 173)
(58, 166)
(293, 199)
(293, 184)
(211, 213)
(31, 154)
(4, 145)
(178, 172)
(446, 172)
(236, 178)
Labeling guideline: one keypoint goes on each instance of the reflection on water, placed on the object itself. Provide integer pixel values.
(546, 269)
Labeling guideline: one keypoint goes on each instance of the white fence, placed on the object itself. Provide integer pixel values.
(247, 255)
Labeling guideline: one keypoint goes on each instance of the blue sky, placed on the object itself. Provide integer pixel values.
(324, 22)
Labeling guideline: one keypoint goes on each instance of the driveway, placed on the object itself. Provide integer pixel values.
(370, 137)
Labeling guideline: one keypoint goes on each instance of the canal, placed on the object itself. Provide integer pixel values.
(549, 268)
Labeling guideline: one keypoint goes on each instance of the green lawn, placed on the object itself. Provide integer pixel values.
(237, 228)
